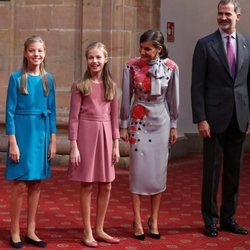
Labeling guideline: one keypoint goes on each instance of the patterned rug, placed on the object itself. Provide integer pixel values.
(59, 221)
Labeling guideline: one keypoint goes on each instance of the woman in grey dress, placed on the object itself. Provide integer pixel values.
(151, 83)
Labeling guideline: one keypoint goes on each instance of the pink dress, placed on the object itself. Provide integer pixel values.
(93, 123)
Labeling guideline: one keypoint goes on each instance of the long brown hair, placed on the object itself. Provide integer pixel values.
(84, 84)
(23, 87)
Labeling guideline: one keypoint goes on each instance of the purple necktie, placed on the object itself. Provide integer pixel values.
(231, 56)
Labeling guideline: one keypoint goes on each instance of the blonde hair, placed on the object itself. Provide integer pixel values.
(23, 87)
(84, 84)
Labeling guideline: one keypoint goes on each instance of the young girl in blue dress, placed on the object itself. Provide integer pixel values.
(31, 128)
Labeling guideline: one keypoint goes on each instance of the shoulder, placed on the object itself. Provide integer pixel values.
(75, 87)
(247, 43)
(210, 38)
(243, 42)
(50, 80)
(170, 64)
(135, 63)
(16, 74)
(49, 76)
(15, 78)
(244, 38)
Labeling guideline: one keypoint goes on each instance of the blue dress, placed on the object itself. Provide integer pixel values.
(32, 119)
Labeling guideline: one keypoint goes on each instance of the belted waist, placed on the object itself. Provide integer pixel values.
(91, 117)
(33, 112)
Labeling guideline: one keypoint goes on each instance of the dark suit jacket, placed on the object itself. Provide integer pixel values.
(215, 94)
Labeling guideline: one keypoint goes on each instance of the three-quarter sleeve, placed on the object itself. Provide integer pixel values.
(114, 119)
(127, 93)
(52, 106)
(172, 97)
(11, 103)
(75, 106)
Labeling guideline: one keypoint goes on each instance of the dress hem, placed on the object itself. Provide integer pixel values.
(17, 179)
(141, 193)
(91, 181)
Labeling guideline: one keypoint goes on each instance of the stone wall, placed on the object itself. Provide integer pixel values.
(68, 26)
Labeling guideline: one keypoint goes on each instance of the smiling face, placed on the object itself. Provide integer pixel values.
(96, 61)
(35, 54)
(227, 18)
(148, 51)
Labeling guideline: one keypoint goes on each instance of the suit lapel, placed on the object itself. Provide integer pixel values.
(241, 51)
(218, 47)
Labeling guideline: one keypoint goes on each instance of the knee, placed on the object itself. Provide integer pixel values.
(105, 188)
(19, 188)
(34, 186)
(86, 188)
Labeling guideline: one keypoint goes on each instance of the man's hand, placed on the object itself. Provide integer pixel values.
(204, 129)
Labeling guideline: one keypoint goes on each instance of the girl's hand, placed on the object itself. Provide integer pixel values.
(124, 134)
(52, 147)
(115, 152)
(14, 152)
(52, 150)
(173, 136)
(74, 155)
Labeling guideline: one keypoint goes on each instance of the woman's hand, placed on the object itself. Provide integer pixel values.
(115, 152)
(74, 154)
(52, 147)
(14, 153)
(173, 136)
(124, 134)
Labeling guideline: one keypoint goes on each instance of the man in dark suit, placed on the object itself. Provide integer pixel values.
(220, 102)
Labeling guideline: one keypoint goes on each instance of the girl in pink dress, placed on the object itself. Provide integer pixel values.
(94, 135)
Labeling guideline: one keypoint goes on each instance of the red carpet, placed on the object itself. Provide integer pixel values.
(181, 226)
